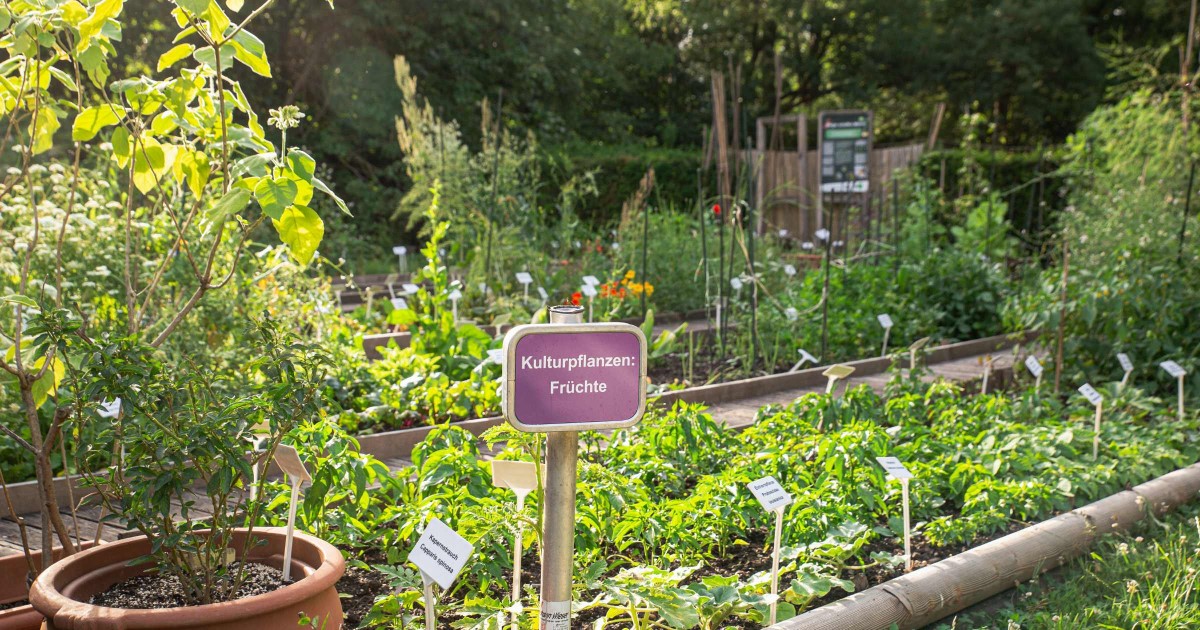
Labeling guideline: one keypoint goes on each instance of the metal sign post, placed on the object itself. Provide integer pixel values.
(560, 379)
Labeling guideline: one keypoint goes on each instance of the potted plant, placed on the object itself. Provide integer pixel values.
(183, 483)
(132, 227)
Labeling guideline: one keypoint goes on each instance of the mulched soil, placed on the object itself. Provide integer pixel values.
(165, 591)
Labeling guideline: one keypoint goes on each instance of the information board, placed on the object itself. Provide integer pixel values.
(845, 148)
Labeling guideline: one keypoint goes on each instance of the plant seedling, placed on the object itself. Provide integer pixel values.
(896, 470)
(1096, 399)
(1127, 366)
(289, 462)
(1174, 369)
(521, 478)
(914, 349)
(834, 374)
(775, 499)
(440, 555)
(885, 320)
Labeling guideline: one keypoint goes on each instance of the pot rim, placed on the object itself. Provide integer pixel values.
(46, 597)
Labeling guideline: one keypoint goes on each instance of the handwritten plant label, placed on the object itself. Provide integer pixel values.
(789, 270)
(591, 280)
(524, 278)
(289, 462)
(1126, 363)
(588, 290)
(410, 288)
(399, 303)
(542, 292)
(770, 494)
(1091, 394)
(110, 408)
(441, 553)
(399, 250)
(885, 320)
(1035, 368)
(894, 468)
(1173, 368)
(574, 377)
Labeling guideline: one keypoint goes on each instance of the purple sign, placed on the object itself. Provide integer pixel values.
(574, 377)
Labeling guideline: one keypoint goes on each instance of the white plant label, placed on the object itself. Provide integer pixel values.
(591, 280)
(410, 288)
(588, 290)
(542, 292)
(110, 408)
(783, 233)
(399, 303)
(736, 283)
(496, 356)
(524, 278)
(289, 462)
(441, 553)
(555, 616)
(770, 494)
(483, 288)
(616, 246)
(822, 234)
(791, 314)
(455, 295)
(1034, 367)
(885, 320)
(894, 468)
(1126, 364)
(1091, 394)
(805, 355)
(520, 477)
(789, 270)
(1173, 368)
(399, 250)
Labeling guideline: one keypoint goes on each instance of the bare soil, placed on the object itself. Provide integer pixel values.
(166, 591)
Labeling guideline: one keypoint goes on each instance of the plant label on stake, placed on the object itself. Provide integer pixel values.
(289, 462)
(1035, 368)
(1096, 399)
(835, 373)
(987, 371)
(896, 470)
(559, 379)
(409, 288)
(401, 251)
(791, 314)
(1127, 366)
(773, 498)
(590, 292)
(545, 296)
(591, 280)
(525, 279)
(805, 357)
(521, 478)
(399, 303)
(440, 554)
(454, 297)
(790, 270)
(1174, 369)
(885, 320)
(913, 350)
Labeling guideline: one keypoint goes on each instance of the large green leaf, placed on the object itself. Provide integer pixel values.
(232, 203)
(90, 121)
(323, 187)
(301, 230)
(275, 195)
(249, 50)
(173, 56)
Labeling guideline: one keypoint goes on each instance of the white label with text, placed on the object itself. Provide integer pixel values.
(894, 468)
(1091, 394)
(1173, 368)
(1034, 367)
(770, 494)
(1126, 364)
(441, 553)
(885, 320)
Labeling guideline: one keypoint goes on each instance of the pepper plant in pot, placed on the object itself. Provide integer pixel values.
(190, 442)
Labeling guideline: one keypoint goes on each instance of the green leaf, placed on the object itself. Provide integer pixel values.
(275, 195)
(249, 50)
(173, 56)
(90, 121)
(91, 26)
(151, 162)
(233, 202)
(121, 148)
(48, 383)
(43, 130)
(195, 6)
(301, 230)
(19, 299)
(321, 186)
(303, 164)
(208, 57)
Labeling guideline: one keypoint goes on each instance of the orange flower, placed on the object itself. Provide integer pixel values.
(576, 298)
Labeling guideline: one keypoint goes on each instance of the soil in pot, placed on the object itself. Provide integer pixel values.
(166, 591)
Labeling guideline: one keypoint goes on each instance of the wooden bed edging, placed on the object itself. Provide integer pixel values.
(944, 588)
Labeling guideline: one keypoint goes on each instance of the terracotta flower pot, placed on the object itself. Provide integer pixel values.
(61, 592)
(13, 571)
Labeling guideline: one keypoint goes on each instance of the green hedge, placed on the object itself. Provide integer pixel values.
(618, 170)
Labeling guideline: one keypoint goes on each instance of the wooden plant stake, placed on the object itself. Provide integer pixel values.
(775, 499)
(289, 462)
(521, 478)
(1096, 399)
(896, 470)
